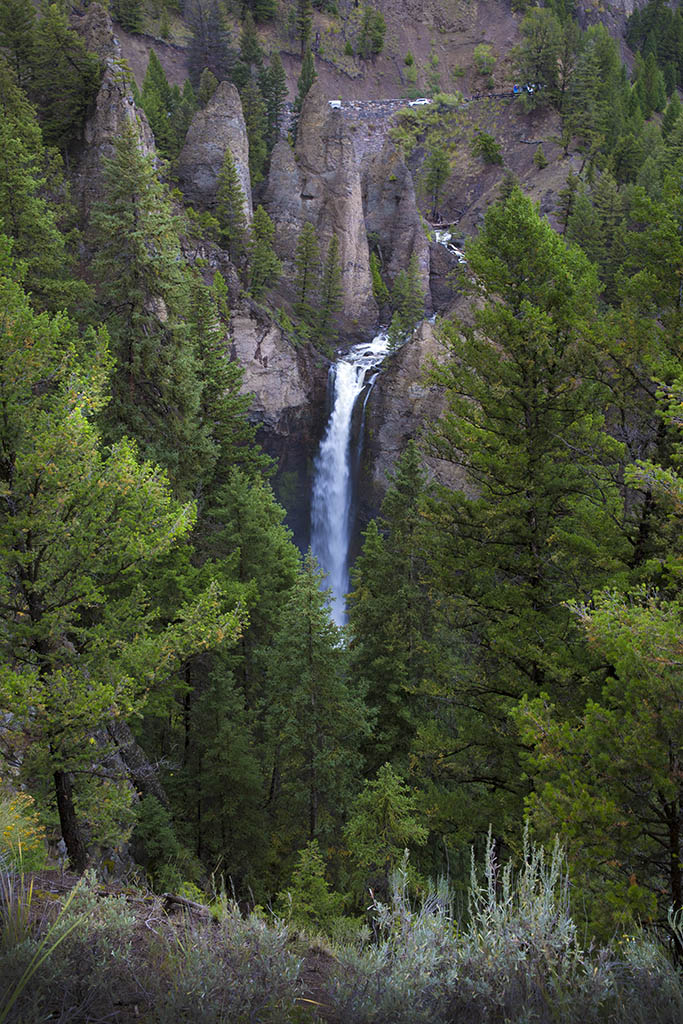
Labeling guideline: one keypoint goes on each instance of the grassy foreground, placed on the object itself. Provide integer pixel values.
(94, 956)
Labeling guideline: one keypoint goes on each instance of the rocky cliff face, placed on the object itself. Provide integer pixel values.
(392, 216)
(288, 389)
(402, 406)
(213, 130)
(320, 182)
(114, 108)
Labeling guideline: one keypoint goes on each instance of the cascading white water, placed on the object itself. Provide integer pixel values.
(332, 479)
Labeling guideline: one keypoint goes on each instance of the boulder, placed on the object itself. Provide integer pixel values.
(218, 127)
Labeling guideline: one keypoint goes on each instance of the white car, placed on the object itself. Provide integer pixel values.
(419, 103)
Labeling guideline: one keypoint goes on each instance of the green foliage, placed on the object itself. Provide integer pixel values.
(308, 902)
(22, 838)
(143, 293)
(65, 78)
(304, 82)
(379, 288)
(540, 159)
(539, 517)
(17, 28)
(35, 207)
(230, 210)
(316, 716)
(208, 83)
(256, 121)
(437, 170)
(485, 146)
(264, 266)
(210, 42)
(157, 847)
(484, 58)
(304, 24)
(274, 89)
(80, 643)
(307, 280)
(371, 34)
(382, 825)
(128, 13)
(330, 298)
(408, 302)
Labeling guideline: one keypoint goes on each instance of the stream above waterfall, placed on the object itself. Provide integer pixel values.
(333, 478)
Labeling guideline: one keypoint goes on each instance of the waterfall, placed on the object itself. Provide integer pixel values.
(332, 479)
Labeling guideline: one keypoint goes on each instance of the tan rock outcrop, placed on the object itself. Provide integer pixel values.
(114, 109)
(320, 182)
(213, 130)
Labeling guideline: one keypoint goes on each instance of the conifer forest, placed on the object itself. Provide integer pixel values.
(341, 508)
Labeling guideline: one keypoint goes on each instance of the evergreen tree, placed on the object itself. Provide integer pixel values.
(372, 30)
(274, 89)
(304, 82)
(379, 288)
(390, 613)
(437, 170)
(383, 824)
(408, 301)
(230, 212)
(80, 644)
(256, 121)
(27, 177)
(128, 13)
(539, 518)
(307, 279)
(156, 100)
(566, 198)
(144, 292)
(330, 297)
(17, 38)
(264, 266)
(316, 716)
(250, 47)
(671, 115)
(304, 23)
(210, 43)
(65, 78)
(208, 83)
(537, 57)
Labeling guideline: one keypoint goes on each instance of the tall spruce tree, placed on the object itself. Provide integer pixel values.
(539, 518)
(330, 298)
(144, 294)
(264, 266)
(230, 210)
(307, 280)
(80, 644)
(316, 717)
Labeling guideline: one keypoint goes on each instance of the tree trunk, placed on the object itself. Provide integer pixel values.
(75, 846)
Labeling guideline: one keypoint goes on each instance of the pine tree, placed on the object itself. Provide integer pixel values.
(17, 38)
(256, 122)
(264, 266)
(80, 644)
(304, 82)
(229, 210)
(390, 615)
(210, 43)
(250, 47)
(316, 716)
(437, 170)
(566, 198)
(65, 78)
(307, 279)
(208, 83)
(671, 115)
(144, 293)
(538, 520)
(304, 23)
(274, 89)
(408, 301)
(128, 13)
(27, 175)
(330, 297)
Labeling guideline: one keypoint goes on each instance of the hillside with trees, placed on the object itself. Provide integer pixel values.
(217, 803)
